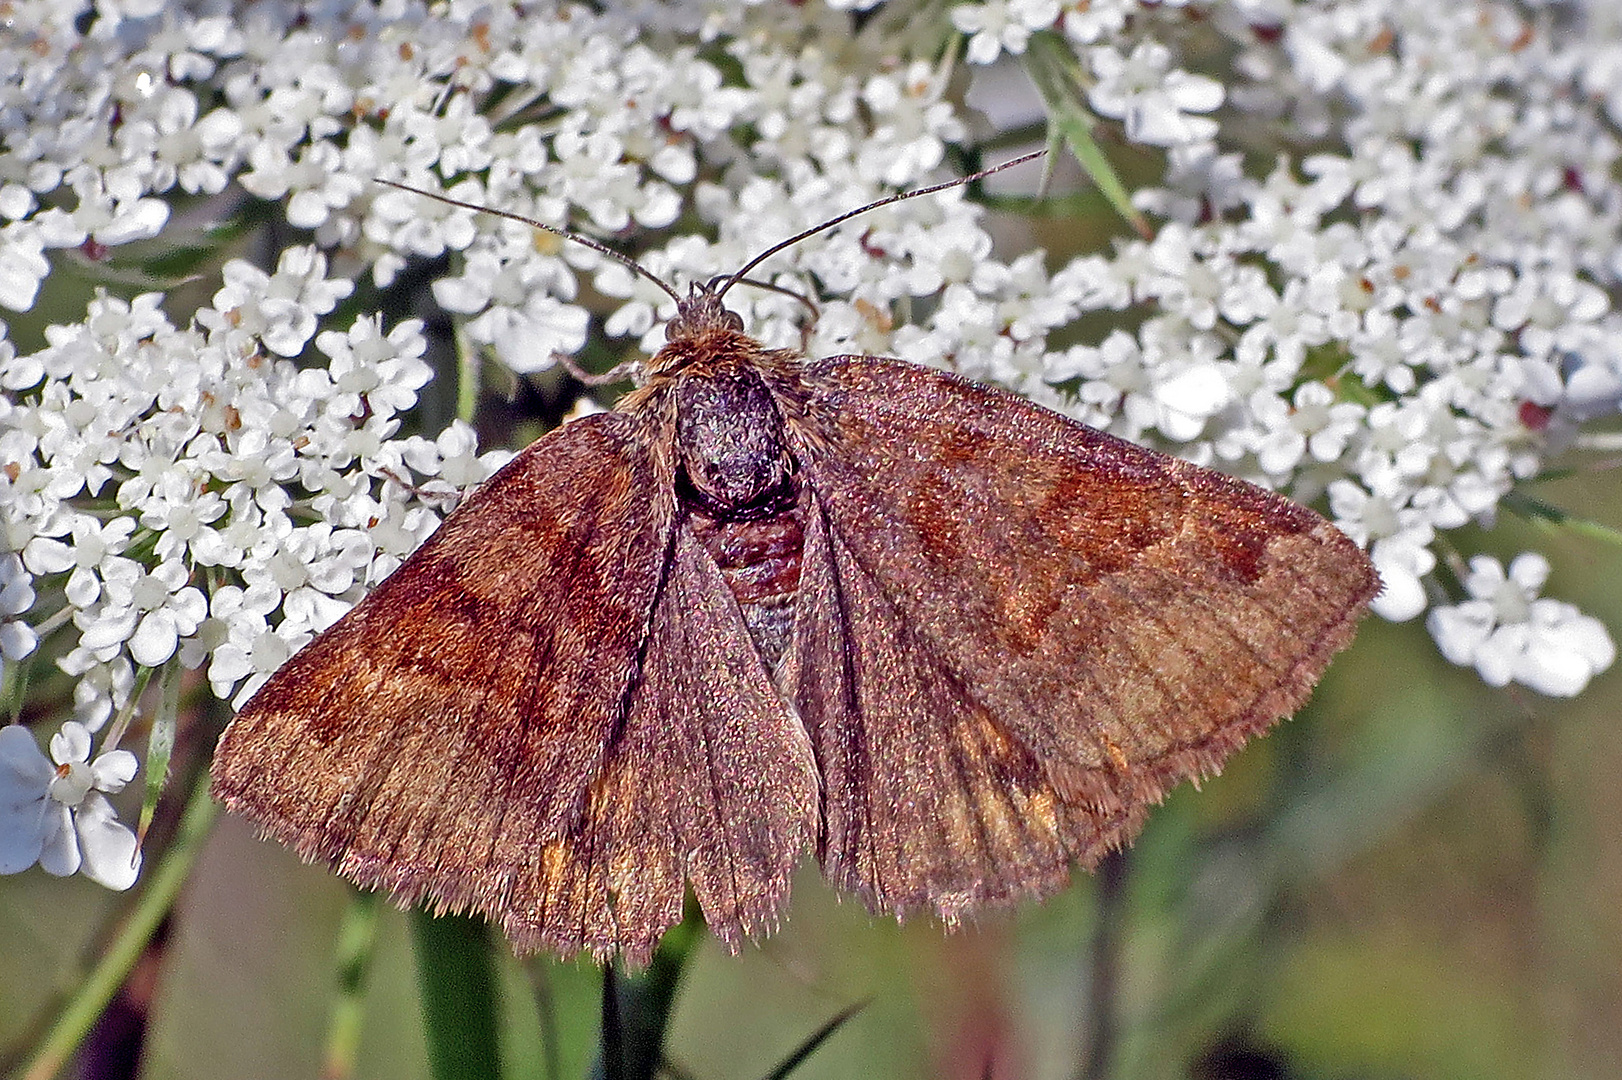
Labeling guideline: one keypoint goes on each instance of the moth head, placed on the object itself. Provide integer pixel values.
(701, 313)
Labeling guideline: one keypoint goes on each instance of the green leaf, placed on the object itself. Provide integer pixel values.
(637, 1007)
(160, 744)
(1053, 67)
(1549, 515)
(818, 1037)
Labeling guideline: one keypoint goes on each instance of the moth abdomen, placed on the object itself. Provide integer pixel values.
(740, 487)
(760, 561)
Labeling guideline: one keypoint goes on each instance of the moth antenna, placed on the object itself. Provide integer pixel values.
(759, 284)
(553, 229)
(728, 280)
(886, 201)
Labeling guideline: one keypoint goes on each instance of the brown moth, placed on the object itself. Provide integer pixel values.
(949, 640)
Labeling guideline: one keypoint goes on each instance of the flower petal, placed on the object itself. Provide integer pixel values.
(110, 856)
(114, 769)
(24, 775)
(154, 639)
(59, 854)
(71, 744)
(22, 836)
(22, 767)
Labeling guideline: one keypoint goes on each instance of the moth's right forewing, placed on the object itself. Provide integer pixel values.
(441, 733)
(713, 783)
(1128, 618)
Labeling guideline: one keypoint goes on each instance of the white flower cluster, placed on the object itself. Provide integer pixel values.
(1408, 322)
(1414, 323)
(188, 490)
(1509, 633)
(53, 810)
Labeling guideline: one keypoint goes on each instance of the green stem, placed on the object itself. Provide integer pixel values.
(458, 985)
(637, 1006)
(1100, 1024)
(357, 940)
(467, 376)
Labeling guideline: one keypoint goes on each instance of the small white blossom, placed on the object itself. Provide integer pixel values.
(283, 309)
(53, 811)
(84, 556)
(244, 649)
(1509, 633)
(23, 264)
(1002, 27)
(372, 372)
(1151, 97)
(1313, 425)
(1398, 537)
(146, 612)
(17, 638)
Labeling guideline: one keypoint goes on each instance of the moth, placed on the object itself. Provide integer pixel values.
(950, 641)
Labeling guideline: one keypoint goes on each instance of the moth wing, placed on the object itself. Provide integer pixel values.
(928, 802)
(437, 738)
(713, 781)
(1114, 620)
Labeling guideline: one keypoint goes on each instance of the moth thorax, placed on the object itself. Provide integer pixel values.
(733, 462)
(740, 489)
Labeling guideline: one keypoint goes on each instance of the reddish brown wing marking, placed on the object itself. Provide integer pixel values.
(439, 736)
(1125, 618)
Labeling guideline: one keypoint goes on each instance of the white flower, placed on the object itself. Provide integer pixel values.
(244, 648)
(1314, 425)
(529, 339)
(1187, 399)
(453, 457)
(113, 221)
(412, 224)
(1397, 536)
(53, 812)
(146, 612)
(1002, 27)
(281, 309)
(1152, 97)
(912, 125)
(1402, 562)
(17, 638)
(84, 557)
(23, 264)
(1510, 634)
(372, 372)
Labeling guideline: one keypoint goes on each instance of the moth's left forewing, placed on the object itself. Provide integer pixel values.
(439, 740)
(1128, 617)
